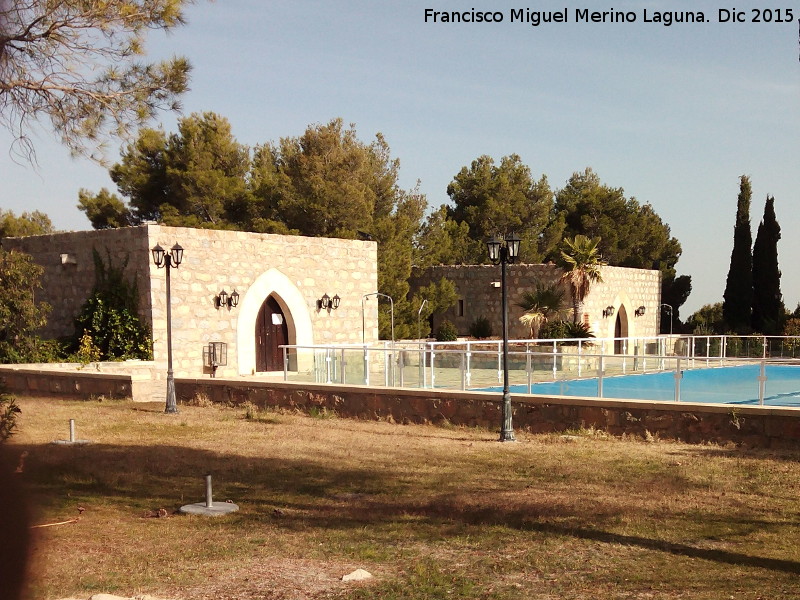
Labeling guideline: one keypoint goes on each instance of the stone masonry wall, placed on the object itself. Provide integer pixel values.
(69, 270)
(479, 291)
(754, 426)
(216, 260)
(758, 427)
(302, 267)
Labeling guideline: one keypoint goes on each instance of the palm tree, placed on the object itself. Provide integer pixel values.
(540, 305)
(581, 265)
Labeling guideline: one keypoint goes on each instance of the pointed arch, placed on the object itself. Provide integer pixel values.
(621, 329)
(621, 324)
(292, 303)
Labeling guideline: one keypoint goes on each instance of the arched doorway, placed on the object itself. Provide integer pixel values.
(271, 333)
(293, 304)
(620, 329)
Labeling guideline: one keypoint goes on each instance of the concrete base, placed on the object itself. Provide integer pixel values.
(216, 509)
(72, 443)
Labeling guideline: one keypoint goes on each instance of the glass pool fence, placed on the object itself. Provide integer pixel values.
(577, 366)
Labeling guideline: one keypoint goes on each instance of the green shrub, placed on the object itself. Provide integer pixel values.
(557, 330)
(110, 317)
(481, 328)
(8, 416)
(321, 412)
(792, 328)
(447, 332)
(87, 351)
(47, 351)
(30, 349)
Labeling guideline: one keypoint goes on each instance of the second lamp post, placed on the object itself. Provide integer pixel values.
(167, 260)
(504, 250)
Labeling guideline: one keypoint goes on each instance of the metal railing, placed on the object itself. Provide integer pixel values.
(479, 364)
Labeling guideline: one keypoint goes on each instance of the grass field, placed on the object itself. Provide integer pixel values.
(431, 512)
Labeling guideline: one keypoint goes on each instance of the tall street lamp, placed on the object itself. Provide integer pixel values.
(670, 317)
(364, 330)
(167, 260)
(504, 250)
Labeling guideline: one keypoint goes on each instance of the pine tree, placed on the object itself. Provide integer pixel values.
(80, 65)
(768, 308)
(738, 297)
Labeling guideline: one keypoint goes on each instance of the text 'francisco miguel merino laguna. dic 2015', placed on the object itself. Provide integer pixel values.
(585, 15)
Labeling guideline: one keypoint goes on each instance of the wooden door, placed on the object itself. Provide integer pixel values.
(271, 333)
(620, 329)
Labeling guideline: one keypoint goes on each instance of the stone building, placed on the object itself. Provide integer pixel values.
(280, 281)
(633, 294)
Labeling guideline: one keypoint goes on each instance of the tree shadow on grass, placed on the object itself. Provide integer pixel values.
(318, 494)
(521, 520)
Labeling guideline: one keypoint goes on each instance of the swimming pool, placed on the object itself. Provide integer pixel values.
(719, 385)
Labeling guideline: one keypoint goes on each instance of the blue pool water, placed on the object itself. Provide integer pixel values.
(721, 385)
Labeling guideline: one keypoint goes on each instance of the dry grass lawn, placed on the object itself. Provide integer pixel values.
(432, 512)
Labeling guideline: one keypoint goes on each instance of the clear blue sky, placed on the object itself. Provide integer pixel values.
(674, 115)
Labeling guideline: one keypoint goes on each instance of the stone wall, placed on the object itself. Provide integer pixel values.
(142, 381)
(296, 270)
(69, 269)
(755, 426)
(479, 291)
(43, 380)
(758, 427)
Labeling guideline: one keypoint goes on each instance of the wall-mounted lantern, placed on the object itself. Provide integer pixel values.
(639, 312)
(215, 355)
(223, 299)
(328, 303)
(608, 311)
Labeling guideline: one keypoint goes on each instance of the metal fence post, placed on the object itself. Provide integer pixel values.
(468, 373)
(600, 370)
(678, 376)
(762, 382)
(433, 373)
(421, 367)
(528, 364)
(401, 361)
(386, 365)
(624, 355)
(463, 369)
(366, 365)
(327, 365)
(499, 362)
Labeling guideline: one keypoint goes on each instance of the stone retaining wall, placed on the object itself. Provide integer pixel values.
(753, 426)
(693, 423)
(68, 384)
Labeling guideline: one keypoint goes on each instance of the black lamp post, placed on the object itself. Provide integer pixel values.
(167, 260)
(504, 251)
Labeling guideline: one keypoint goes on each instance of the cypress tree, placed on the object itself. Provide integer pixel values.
(768, 308)
(738, 297)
